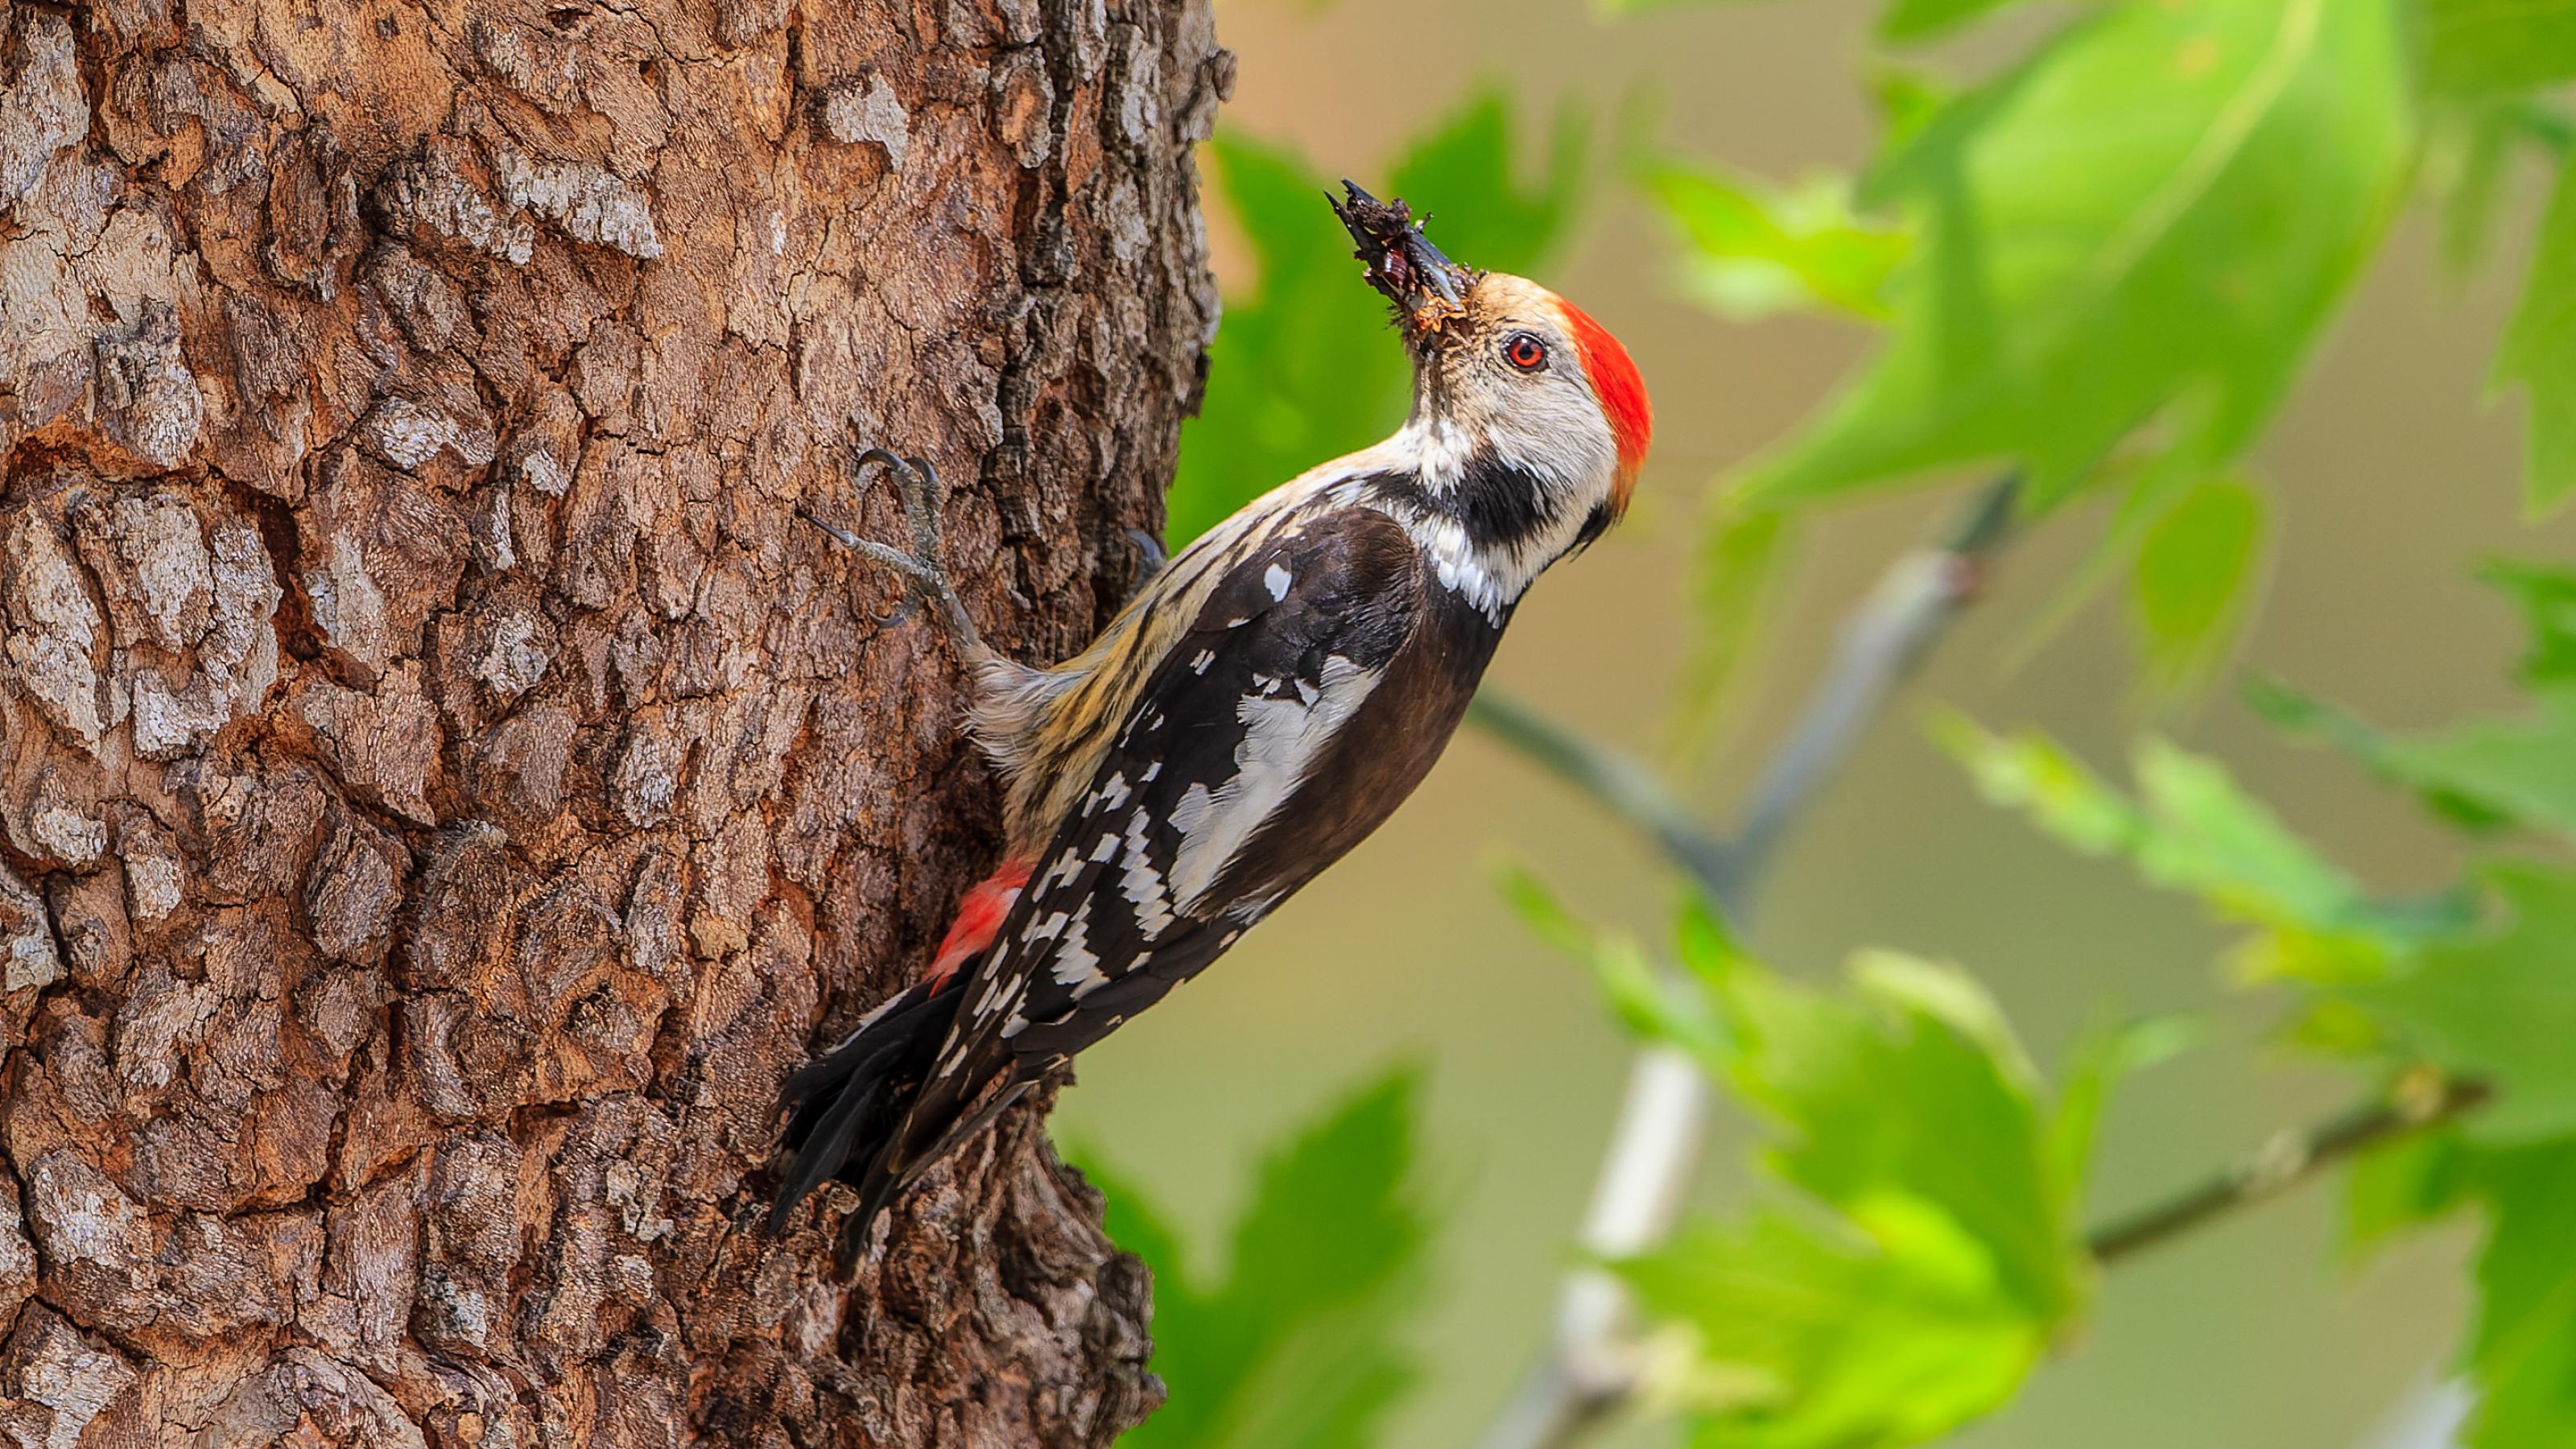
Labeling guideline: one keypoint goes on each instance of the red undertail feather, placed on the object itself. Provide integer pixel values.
(1621, 391)
(979, 915)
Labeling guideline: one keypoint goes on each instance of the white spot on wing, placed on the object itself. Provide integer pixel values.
(1143, 885)
(1281, 740)
(1276, 579)
(1113, 791)
(1075, 965)
(1200, 661)
(1066, 867)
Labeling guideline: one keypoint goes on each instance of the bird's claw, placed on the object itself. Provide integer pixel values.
(918, 491)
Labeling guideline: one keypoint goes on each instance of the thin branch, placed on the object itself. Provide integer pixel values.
(1655, 1145)
(1882, 643)
(2286, 1161)
(1618, 782)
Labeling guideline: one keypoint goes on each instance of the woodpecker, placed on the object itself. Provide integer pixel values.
(1267, 698)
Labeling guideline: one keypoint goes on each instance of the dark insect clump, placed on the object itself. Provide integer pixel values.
(1426, 287)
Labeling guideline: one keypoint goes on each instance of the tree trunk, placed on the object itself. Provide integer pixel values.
(444, 787)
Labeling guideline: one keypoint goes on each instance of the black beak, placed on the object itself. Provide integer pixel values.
(1426, 287)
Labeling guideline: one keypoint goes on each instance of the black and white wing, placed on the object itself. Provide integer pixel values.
(1251, 760)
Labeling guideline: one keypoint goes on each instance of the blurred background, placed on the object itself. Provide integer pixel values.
(2390, 472)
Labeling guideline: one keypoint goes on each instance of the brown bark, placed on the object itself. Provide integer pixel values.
(442, 786)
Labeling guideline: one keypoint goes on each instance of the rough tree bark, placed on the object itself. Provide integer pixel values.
(442, 786)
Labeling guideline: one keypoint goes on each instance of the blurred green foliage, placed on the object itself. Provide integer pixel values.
(2068, 292)
(2196, 572)
(2499, 1007)
(2102, 264)
(2519, 769)
(2473, 986)
(1754, 250)
(1296, 1346)
(1919, 1248)
(2191, 829)
(2481, 47)
(2129, 242)
(2540, 347)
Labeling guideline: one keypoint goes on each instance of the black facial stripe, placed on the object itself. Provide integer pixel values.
(1500, 505)
(1503, 506)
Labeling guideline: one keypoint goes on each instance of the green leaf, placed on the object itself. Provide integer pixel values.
(2102, 1057)
(1967, 1145)
(2484, 771)
(2165, 205)
(2547, 597)
(1795, 1338)
(2195, 830)
(1754, 250)
(2192, 829)
(2480, 47)
(1941, 1257)
(2524, 769)
(1304, 367)
(2539, 351)
(2405, 1184)
(1295, 1348)
(1907, 99)
(2469, 162)
(2481, 773)
(2195, 572)
(2500, 1007)
(1648, 1002)
(2521, 1352)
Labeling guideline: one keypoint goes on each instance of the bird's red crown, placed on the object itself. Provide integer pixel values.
(1621, 392)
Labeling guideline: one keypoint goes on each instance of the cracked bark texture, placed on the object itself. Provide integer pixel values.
(443, 787)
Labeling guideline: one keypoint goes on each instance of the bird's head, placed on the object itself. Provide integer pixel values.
(1522, 403)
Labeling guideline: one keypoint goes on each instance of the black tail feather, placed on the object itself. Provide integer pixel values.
(841, 1106)
(883, 1174)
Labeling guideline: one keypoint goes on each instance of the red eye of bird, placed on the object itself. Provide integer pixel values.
(1525, 352)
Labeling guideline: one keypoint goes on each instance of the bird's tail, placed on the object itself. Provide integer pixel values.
(842, 1108)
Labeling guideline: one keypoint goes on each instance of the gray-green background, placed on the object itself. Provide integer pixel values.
(2394, 476)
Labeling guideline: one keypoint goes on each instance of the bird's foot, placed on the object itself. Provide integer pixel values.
(925, 567)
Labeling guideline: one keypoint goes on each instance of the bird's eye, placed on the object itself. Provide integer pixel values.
(1525, 352)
